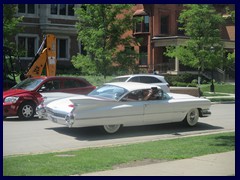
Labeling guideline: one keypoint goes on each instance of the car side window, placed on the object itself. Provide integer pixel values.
(68, 83)
(149, 80)
(56, 84)
(132, 96)
(47, 86)
(134, 79)
(140, 95)
(80, 84)
(71, 83)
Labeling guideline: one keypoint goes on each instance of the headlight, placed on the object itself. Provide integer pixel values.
(11, 99)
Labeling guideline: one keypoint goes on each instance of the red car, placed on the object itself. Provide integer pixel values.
(22, 99)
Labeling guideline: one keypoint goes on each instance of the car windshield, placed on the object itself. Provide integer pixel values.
(28, 84)
(109, 91)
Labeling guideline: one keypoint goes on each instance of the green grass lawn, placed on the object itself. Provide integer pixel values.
(219, 88)
(98, 159)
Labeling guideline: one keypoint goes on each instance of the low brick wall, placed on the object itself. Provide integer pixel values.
(194, 91)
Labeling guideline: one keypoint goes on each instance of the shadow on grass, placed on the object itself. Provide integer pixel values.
(225, 141)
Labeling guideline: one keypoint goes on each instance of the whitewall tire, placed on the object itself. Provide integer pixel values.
(192, 117)
(111, 129)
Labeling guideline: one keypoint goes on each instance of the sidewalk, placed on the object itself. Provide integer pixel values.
(224, 98)
(222, 164)
(223, 95)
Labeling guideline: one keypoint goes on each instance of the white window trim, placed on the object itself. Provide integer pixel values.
(26, 36)
(27, 14)
(58, 16)
(68, 48)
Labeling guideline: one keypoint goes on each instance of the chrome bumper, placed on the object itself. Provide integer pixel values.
(41, 111)
(205, 113)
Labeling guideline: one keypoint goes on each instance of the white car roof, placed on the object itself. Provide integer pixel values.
(131, 86)
(133, 75)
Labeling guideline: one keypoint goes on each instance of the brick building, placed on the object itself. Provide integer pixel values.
(158, 29)
(42, 19)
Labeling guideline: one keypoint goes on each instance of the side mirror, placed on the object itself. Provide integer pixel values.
(42, 89)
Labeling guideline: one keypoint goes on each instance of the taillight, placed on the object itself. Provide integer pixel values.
(71, 105)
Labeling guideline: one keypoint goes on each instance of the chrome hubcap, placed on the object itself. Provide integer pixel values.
(27, 111)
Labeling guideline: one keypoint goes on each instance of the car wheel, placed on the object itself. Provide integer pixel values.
(192, 117)
(26, 110)
(110, 129)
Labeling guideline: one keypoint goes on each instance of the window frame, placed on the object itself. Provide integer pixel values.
(26, 14)
(165, 26)
(143, 25)
(67, 48)
(62, 16)
(36, 46)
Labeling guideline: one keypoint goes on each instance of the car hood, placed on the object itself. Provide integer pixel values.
(14, 92)
(186, 96)
(181, 96)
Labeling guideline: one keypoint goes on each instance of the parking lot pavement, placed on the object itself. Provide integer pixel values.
(221, 164)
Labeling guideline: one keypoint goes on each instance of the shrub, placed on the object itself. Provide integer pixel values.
(186, 78)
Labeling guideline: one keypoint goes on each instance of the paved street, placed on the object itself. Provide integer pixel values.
(39, 136)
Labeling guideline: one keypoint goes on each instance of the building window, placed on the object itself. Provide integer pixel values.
(26, 8)
(27, 46)
(146, 24)
(62, 9)
(143, 55)
(71, 9)
(143, 25)
(164, 24)
(180, 32)
(54, 8)
(62, 48)
(82, 50)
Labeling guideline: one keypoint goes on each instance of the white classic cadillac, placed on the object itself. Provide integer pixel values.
(127, 104)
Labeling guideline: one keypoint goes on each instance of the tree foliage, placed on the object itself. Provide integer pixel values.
(201, 23)
(100, 30)
(10, 24)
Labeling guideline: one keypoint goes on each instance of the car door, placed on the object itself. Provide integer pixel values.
(129, 109)
(130, 112)
(102, 112)
(161, 111)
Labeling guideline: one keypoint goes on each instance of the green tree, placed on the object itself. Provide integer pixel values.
(230, 56)
(10, 29)
(100, 30)
(204, 49)
(10, 24)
